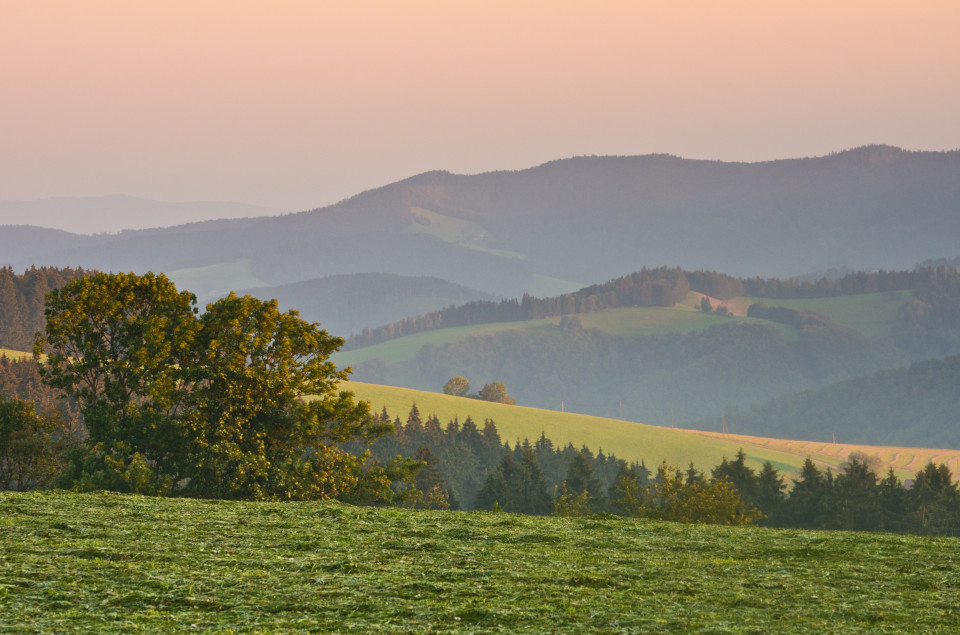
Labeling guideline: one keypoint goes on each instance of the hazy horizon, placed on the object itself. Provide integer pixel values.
(298, 105)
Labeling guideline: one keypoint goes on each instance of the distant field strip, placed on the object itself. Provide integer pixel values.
(906, 462)
(12, 354)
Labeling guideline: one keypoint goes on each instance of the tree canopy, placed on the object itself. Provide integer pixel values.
(241, 401)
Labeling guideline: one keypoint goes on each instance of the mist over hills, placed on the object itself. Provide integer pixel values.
(345, 303)
(112, 214)
(564, 224)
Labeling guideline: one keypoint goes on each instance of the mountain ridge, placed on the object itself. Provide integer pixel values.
(576, 219)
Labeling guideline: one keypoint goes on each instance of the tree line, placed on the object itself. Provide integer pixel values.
(648, 287)
(470, 467)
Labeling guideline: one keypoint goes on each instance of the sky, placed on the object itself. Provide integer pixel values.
(296, 104)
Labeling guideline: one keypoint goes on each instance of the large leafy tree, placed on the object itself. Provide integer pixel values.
(239, 402)
(257, 434)
(124, 346)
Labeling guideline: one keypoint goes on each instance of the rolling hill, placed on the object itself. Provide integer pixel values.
(676, 365)
(564, 224)
(636, 441)
(903, 404)
(653, 364)
(113, 214)
(350, 302)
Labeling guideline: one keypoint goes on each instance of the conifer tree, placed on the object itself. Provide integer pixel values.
(808, 502)
(770, 496)
(580, 479)
(531, 485)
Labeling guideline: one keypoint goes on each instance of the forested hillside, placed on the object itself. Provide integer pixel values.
(647, 378)
(571, 221)
(22, 302)
(345, 304)
(687, 375)
(915, 406)
(657, 287)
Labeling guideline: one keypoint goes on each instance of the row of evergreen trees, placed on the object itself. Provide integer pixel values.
(473, 469)
(460, 455)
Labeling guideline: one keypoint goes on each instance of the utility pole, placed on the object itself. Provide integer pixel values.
(723, 425)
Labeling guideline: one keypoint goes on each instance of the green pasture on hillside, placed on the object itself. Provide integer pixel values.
(457, 231)
(406, 348)
(110, 563)
(872, 314)
(627, 440)
(651, 320)
(624, 321)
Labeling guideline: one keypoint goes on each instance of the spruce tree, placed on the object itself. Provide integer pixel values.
(580, 479)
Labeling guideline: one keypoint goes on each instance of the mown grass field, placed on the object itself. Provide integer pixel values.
(119, 563)
(635, 441)
(906, 462)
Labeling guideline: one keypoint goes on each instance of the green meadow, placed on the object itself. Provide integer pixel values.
(627, 321)
(871, 314)
(119, 563)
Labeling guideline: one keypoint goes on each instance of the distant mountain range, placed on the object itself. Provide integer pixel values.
(113, 214)
(559, 226)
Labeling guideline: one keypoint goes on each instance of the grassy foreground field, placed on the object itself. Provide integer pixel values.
(118, 563)
(635, 441)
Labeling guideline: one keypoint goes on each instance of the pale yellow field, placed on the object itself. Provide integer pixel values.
(636, 441)
(12, 354)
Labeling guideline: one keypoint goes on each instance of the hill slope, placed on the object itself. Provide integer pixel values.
(635, 441)
(903, 405)
(580, 220)
(111, 214)
(348, 303)
(666, 364)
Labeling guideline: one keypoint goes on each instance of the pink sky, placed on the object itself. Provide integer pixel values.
(296, 104)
